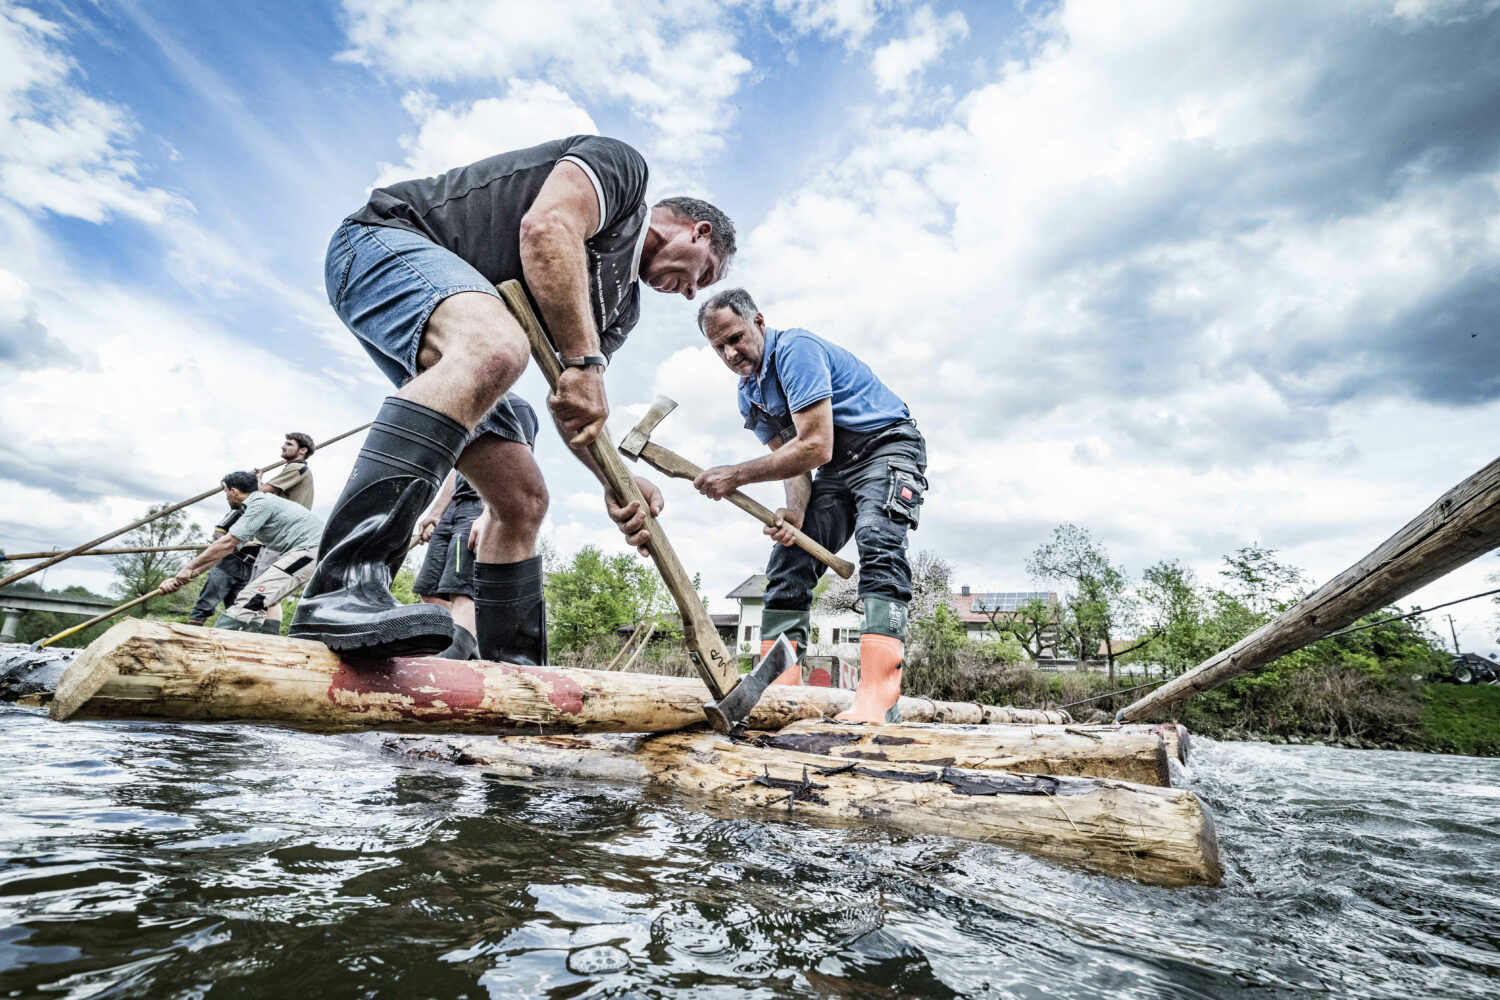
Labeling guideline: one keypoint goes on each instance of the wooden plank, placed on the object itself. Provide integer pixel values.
(1462, 524)
(1160, 836)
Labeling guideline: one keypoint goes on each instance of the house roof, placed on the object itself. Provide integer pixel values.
(753, 587)
(970, 607)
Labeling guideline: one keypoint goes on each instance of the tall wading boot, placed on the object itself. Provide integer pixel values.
(510, 611)
(881, 654)
(347, 605)
(776, 622)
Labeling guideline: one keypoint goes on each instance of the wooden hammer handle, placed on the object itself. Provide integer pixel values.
(707, 652)
(670, 463)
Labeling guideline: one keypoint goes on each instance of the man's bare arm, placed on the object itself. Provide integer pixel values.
(554, 260)
(812, 447)
(434, 514)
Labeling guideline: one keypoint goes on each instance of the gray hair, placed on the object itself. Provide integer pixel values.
(737, 300)
(721, 238)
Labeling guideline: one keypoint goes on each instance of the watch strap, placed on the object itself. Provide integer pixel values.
(584, 360)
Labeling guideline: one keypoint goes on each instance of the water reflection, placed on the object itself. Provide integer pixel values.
(159, 860)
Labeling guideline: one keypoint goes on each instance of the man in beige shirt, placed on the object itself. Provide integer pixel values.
(294, 481)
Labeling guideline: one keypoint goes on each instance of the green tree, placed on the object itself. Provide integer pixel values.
(1033, 625)
(142, 572)
(1254, 577)
(594, 594)
(1098, 605)
(1172, 610)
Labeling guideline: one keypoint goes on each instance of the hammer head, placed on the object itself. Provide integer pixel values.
(641, 432)
(729, 713)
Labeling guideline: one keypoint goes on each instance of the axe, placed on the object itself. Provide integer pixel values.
(732, 696)
(638, 444)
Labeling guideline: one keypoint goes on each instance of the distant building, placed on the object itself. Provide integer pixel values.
(831, 634)
(980, 612)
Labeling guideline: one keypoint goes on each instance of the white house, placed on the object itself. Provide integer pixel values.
(831, 634)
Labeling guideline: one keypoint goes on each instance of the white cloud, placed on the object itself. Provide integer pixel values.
(674, 65)
(62, 151)
(897, 61)
(851, 20)
(531, 112)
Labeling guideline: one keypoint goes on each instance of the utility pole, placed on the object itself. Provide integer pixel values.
(1454, 632)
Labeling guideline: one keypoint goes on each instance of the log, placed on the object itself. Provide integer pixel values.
(1159, 836)
(22, 556)
(1462, 524)
(171, 670)
(1124, 753)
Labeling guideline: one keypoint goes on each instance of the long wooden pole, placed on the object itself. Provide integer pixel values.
(1464, 523)
(78, 550)
(628, 643)
(641, 648)
(23, 556)
(44, 643)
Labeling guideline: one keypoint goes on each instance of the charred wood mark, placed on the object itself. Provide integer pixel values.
(797, 791)
(892, 741)
(999, 784)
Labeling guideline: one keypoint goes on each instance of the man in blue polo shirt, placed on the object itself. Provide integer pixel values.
(820, 409)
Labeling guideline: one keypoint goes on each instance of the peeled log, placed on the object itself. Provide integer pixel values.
(171, 670)
(1124, 753)
(1160, 836)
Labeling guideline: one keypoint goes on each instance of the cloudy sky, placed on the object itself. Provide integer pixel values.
(1191, 275)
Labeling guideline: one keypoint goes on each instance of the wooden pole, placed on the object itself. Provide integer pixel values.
(1160, 836)
(44, 643)
(22, 556)
(1124, 753)
(171, 670)
(78, 550)
(641, 648)
(1464, 523)
(626, 648)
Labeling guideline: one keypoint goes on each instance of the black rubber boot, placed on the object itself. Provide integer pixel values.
(463, 648)
(511, 611)
(347, 605)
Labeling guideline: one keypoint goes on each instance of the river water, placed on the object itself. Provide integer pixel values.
(162, 860)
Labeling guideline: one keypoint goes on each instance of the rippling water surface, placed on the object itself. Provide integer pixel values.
(156, 860)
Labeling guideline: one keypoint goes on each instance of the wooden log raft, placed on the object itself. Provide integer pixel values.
(1160, 836)
(170, 670)
(1124, 753)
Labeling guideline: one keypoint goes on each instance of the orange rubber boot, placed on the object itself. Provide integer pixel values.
(792, 674)
(880, 658)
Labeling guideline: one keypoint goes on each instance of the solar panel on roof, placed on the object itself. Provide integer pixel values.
(1005, 600)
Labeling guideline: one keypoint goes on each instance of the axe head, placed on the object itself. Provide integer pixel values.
(729, 713)
(641, 432)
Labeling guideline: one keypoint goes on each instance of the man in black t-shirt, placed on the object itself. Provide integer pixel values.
(412, 275)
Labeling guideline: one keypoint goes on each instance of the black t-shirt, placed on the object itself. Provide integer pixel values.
(476, 212)
(463, 489)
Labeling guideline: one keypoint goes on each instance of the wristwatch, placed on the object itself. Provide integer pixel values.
(584, 360)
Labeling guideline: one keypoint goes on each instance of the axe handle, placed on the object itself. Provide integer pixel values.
(709, 656)
(672, 464)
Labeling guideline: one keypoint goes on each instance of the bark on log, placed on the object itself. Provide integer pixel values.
(1159, 836)
(1124, 753)
(1464, 523)
(171, 670)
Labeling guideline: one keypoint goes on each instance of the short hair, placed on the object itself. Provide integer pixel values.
(735, 299)
(245, 482)
(720, 238)
(303, 441)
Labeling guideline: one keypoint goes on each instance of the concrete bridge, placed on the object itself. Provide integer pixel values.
(13, 606)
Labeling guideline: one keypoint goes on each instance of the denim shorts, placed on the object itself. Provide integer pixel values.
(384, 283)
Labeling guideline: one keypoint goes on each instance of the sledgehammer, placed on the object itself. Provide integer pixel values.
(638, 444)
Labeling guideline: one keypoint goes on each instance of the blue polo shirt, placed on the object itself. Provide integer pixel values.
(799, 369)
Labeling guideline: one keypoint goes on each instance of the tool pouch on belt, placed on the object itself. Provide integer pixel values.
(904, 490)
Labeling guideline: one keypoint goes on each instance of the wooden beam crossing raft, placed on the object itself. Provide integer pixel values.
(1461, 525)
